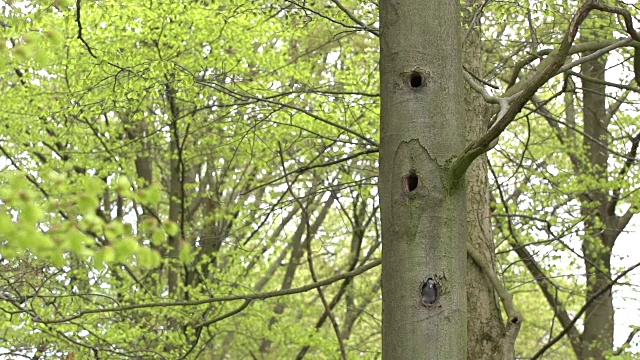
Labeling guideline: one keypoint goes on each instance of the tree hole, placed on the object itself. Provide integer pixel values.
(411, 182)
(429, 292)
(415, 80)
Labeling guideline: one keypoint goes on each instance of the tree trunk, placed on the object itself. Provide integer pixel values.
(485, 327)
(175, 189)
(423, 209)
(597, 337)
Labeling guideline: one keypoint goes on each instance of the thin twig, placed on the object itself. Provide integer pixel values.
(355, 19)
(254, 296)
(78, 12)
(312, 271)
(582, 310)
(627, 342)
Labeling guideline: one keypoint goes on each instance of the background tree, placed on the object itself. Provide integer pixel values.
(158, 128)
(486, 335)
(538, 214)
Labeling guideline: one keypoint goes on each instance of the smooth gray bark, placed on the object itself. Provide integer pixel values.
(423, 209)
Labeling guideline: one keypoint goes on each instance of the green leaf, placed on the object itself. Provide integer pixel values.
(185, 253)
(57, 258)
(114, 229)
(148, 224)
(6, 225)
(158, 237)
(87, 204)
(125, 248)
(148, 258)
(55, 178)
(109, 254)
(65, 3)
(151, 195)
(123, 186)
(76, 241)
(32, 37)
(55, 36)
(171, 228)
(31, 214)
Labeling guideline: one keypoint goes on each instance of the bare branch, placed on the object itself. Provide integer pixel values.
(78, 12)
(548, 68)
(629, 161)
(355, 19)
(581, 311)
(323, 299)
(491, 99)
(251, 297)
(514, 317)
(545, 284)
(306, 168)
(603, 82)
(627, 342)
(590, 46)
(224, 316)
(596, 54)
(626, 14)
(292, 107)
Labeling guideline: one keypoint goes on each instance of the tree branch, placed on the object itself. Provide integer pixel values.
(292, 107)
(355, 19)
(543, 281)
(78, 12)
(582, 310)
(548, 68)
(251, 297)
(627, 342)
(596, 54)
(515, 318)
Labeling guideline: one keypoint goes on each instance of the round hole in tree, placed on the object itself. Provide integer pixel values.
(415, 79)
(411, 182)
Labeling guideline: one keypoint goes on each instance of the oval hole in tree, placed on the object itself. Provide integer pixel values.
(429, 292)
(415, 79)
(411, 182)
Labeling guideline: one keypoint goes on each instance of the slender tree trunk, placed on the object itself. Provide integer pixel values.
(423, 209)
(597, 337)
(175, 187)
(292, 267)
(485, 327)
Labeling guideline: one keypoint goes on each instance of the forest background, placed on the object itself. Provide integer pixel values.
(199, 179)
